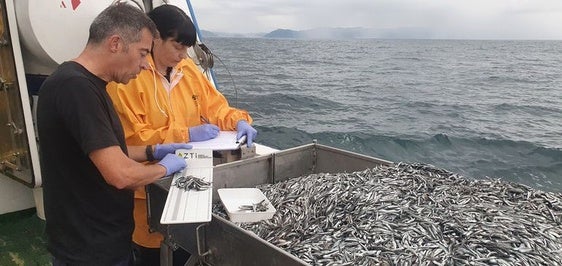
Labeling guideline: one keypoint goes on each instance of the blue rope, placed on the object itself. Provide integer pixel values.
(192, 13)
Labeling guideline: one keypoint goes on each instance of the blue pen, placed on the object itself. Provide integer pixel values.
(241, 140)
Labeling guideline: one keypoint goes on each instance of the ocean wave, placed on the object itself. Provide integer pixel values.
(478, 108)
(516, 161)
(534, 109)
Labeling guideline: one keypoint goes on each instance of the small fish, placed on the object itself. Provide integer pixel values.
(411, 214)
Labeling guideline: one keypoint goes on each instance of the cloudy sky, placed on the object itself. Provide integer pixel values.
(457, 19)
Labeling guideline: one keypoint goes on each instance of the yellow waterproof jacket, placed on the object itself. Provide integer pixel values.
(153, 110)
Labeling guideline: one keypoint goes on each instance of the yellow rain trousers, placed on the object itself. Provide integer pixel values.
(154, 110)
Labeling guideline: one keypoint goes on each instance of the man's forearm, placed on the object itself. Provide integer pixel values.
(139, 153)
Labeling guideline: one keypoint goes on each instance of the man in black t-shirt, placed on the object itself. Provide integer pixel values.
(89, 174)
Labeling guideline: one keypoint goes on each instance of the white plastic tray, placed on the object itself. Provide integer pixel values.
(190, 206)
(232, 198)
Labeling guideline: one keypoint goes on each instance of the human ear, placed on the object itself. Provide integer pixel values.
(115, 43)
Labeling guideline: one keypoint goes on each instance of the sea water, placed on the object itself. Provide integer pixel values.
(480, 108)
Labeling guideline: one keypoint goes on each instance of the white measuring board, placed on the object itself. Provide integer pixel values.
(190, 206)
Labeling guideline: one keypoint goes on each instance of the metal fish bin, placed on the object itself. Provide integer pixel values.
(221, 242)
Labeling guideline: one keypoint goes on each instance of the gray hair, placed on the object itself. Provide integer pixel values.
(122, 19)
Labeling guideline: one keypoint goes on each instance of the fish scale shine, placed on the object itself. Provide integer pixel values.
(412, 214)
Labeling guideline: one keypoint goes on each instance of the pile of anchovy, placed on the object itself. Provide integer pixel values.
(412, 214)
(261, 206)
(191, 183)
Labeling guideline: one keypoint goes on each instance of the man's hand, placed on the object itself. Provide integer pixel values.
(172, 163)
(161, 150)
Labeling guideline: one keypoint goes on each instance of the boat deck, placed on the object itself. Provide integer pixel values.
(22, 234)
(22, 239)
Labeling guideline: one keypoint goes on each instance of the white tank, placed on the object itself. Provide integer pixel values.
(52, 32)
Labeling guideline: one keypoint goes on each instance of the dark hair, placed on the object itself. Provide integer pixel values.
(123, 19)
(172, 22)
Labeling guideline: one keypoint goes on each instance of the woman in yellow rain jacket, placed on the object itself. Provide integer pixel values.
(172, 101)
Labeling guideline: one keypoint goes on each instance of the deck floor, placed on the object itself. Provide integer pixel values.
(22, 239)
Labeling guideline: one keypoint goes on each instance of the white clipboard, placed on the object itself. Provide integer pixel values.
(226, 140)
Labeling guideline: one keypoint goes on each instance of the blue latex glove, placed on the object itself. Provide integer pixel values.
(162, 150)
(172, 163)
(244, 129)
(203, 132)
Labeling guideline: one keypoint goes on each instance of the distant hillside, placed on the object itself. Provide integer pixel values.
(283, 33)
(351, 33)
(333, 33)
(207, 33)
(320, 33)
(212, 34)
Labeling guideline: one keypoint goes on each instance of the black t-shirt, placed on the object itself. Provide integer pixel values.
(87, 220)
